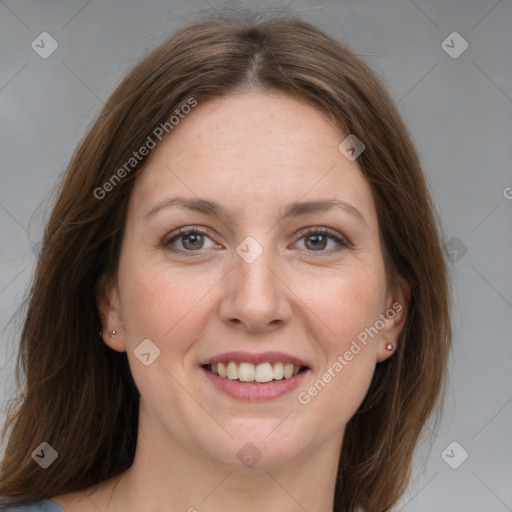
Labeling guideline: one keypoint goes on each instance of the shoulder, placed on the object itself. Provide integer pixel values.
(90, 499)
(41, 505)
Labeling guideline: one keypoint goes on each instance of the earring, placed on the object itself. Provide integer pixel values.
(389, 346)
(113, 334)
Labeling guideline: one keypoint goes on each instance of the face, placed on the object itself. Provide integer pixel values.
(259, 275)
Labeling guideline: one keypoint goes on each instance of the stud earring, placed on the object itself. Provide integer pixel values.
(389, 346)
(113, 334)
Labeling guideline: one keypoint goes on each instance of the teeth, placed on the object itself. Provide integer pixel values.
(288, 370)
(278, 370)
(232, 370)
(248, 372)
(263, 372)
(245, 372)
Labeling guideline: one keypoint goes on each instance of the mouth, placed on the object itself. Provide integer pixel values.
(256, 374)
(255, 377)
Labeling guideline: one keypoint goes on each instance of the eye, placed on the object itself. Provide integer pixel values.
(319, 238)
(192, 240)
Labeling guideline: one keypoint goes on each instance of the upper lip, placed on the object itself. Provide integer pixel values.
(261, 357)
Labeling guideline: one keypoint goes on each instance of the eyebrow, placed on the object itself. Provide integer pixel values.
(294, 209)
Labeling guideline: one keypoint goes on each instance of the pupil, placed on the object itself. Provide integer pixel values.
(192, 236)
(317, 237)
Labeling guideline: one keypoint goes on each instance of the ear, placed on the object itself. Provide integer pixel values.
(394, 317)
(109, 309)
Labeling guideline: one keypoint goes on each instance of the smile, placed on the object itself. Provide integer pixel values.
(261, 373)
(255, 377)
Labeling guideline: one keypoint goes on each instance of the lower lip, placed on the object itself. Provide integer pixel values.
(255, 391)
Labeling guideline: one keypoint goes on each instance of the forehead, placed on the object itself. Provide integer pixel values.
(250, 126)
(243, 150)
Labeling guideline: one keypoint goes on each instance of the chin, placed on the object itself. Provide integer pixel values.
(257, 446)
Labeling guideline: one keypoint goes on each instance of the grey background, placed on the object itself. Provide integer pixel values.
(459, 111)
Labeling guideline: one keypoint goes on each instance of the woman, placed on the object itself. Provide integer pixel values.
(241, 301)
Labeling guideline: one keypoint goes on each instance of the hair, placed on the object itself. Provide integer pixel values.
(79, 394)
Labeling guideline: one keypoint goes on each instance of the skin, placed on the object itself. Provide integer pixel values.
(254, 154)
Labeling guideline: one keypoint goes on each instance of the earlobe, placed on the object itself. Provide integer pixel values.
(395, 318)
(109, 310)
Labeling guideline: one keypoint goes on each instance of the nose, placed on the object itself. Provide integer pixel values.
(256, 295)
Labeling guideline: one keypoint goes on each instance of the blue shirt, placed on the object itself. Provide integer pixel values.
(41, 505)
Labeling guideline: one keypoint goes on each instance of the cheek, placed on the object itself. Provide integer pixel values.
(348, 301)
(164, 305)
(165, 308)
(341, 384)
(348, 386)
(349, 306)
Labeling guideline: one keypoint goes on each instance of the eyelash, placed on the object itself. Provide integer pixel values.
(166, 243)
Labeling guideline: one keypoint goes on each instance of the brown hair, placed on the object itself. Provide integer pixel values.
(79, 394)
